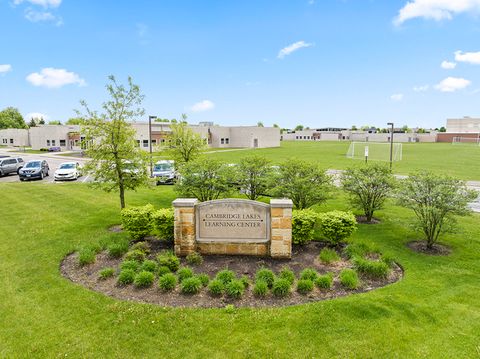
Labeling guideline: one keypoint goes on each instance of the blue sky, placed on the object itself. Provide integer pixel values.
(317, 63)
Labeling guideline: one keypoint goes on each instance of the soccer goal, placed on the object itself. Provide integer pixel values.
(466, 141)
(376, 151)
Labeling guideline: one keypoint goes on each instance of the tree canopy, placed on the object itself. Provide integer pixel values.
(10, 117)
(184, 144)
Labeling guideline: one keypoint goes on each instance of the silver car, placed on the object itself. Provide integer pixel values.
(10, 165)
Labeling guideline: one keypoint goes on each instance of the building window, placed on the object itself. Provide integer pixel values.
(48, 142)
(11, 140)
(227, 141)
(145, 143)
(222, 141)
(63, 143)
(154, 142)
(304, 137)
(53, 142)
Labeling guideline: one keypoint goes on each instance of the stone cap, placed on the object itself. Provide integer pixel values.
(281, 203)
(185, 202)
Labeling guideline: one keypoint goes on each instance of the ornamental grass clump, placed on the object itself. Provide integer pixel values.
(324, 281)
(287, 273)
(328, 256)
(149, 266)
(144, 279)
(191, 285)
(372, 269)
(126, 276)
(168, 259)
(86, 256)
(167, 282)
(132, 265)
(225, 276)
(106, 273)
(235, 289)
(304, 286)
(349, 279)
(141, 246)
(184, 273)
(163, 270)
(216, 287)
(360, 249)
(309, 273)
(246, 281)
(281, 288)
(118, 248)
(194, 258)
(204, 278)
(266, 275)
(135, 255)
(260, 289)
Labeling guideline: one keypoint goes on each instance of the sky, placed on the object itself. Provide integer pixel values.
(312, 62)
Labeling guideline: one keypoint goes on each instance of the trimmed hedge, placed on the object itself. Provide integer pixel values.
(137, 221)
(163, 222)
(303, 225)
(337, 226)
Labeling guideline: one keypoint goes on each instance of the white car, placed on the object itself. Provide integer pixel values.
(164, 172)
(68, 171)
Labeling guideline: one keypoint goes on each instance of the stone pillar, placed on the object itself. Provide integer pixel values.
(281, 228)
(184, 209)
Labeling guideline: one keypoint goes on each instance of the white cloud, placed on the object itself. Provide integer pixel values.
(435, 9)
(291, 48)
(204, 105)
(397, 97)
(36, 115)
(54, 78)
(447, 65)
(44, 3)
(452, 84)
(5, 68)
(468, 57)
(421, 88)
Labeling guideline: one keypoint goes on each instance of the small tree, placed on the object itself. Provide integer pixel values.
(75, 121)
(435, 199)
(116, 161)
(32, 123)
(10, 117)
(54, 122)
(254, 176)
(205, 179)
(303, 182)
(259, 124)
(368, 187)
(184, 145)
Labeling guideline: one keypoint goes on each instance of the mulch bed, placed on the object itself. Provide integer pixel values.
(116, 228)
(437, 250)
(303, 257)
(363, 220)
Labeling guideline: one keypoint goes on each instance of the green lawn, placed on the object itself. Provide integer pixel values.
(433, 312)
(460, 161)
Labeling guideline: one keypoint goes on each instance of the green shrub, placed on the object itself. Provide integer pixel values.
(281, 288)
(118, 248)
(360, 249)
(194, 258)
(132, 265)
(328, 255)
(163, 270)
(349, 278)
(246, 281)
(303, 225)
(126, 276)
(163, 222)
(372, 269)
(168, 259)
(137, 221)
(235, 288)
(309, 273)
(86, 256)
(216, 287)
(184, 273)
(324, 281)
(287, 273)
(135, 255)
(167, 282)
(106, 273)
(230, 309)
(204, 278)
(337, 226)
(304, 286)
(260, 289)
(144, 279)
(226, 276)
(388, 259)
(266, 275)
(149, 266)
(141, 246)
(191, 285)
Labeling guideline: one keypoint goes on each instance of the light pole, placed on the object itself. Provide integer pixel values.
(150, 118)
(391, 143)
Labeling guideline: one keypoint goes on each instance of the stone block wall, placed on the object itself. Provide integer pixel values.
(281, 228)
(184, 228)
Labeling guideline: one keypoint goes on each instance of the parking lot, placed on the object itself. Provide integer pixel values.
(53, 160)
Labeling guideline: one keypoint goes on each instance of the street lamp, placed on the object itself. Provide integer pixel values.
(150, 118)
(391, 143)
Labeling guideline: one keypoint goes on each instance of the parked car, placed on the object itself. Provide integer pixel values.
(164, 172)
(34, 169)
(10, 165)
(68, 171)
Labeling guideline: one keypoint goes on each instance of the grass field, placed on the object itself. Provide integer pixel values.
(459, 161)
(433, 312)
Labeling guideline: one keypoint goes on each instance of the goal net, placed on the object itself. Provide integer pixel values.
(466, 141)
(376, 151)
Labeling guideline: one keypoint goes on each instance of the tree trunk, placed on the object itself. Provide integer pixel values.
(122, 196)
